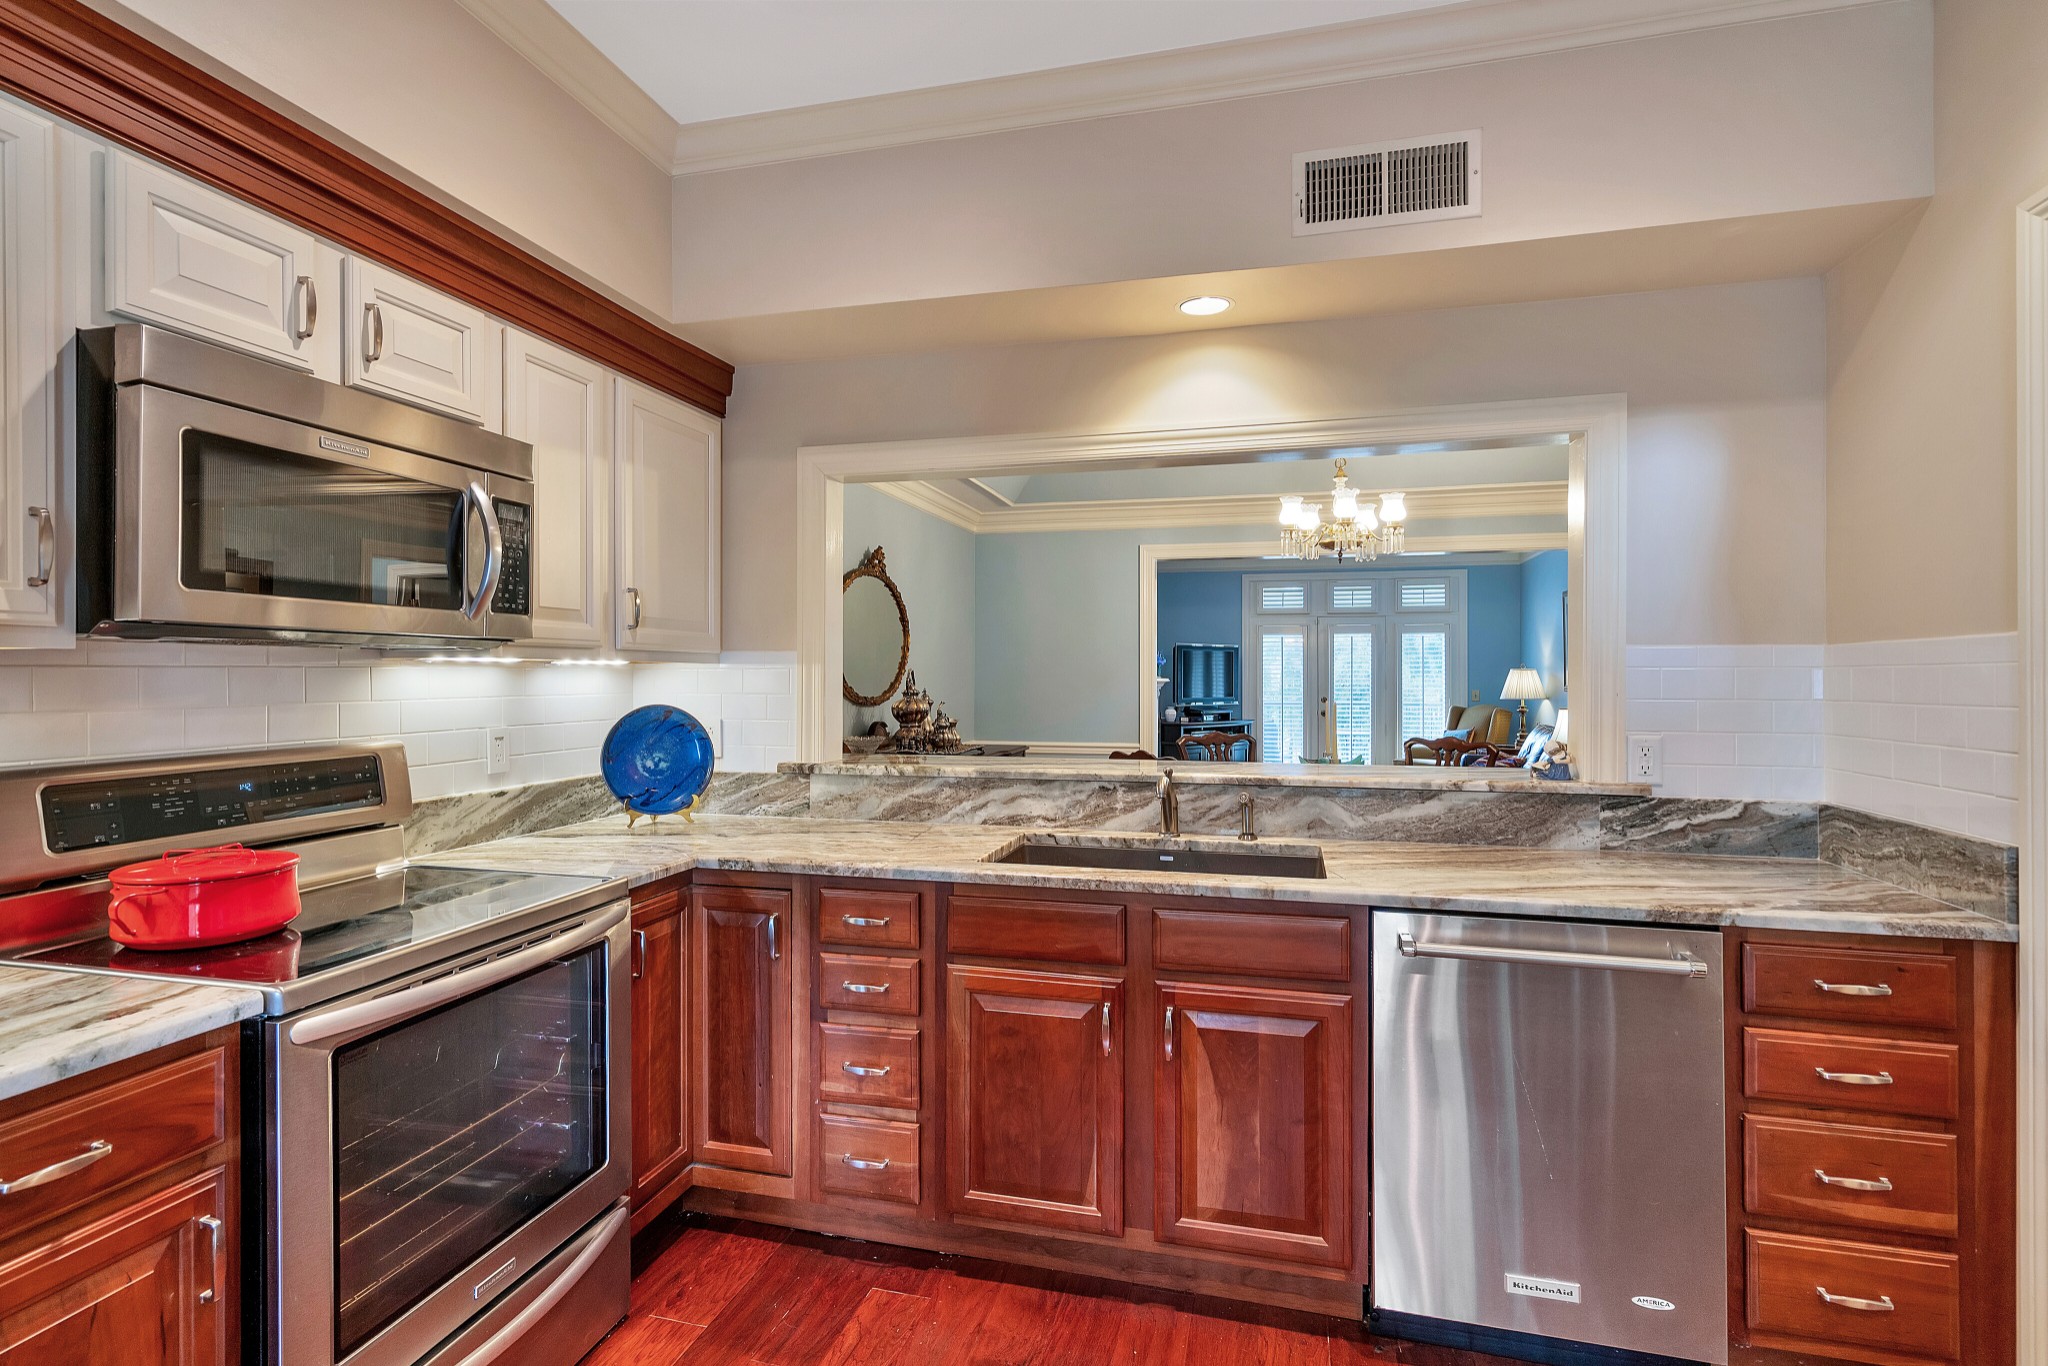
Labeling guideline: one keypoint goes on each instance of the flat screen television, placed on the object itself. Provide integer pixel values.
(1205, 675)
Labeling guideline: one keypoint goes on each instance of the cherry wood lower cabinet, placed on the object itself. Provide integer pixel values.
(1035, 1077)
(743, 1073)
(661, 1133)
(1253, 1111)
(130, 1258)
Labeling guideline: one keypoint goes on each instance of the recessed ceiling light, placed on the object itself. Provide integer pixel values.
(1203, 305)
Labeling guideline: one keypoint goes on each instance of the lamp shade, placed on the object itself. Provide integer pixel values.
(1563, 729)
(1523, 685)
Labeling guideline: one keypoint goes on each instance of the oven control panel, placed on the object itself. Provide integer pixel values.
(155, 806)
(515, 526)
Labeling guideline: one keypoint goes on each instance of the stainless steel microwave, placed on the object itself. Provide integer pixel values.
(221, 497)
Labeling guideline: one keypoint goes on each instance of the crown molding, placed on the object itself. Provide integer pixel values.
(1426, 40)
(534, 30)
(1547, 499)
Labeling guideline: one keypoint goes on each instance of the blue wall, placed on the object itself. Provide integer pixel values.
(932, 562)
(1544, 580)
(1200, 607)
(1493, 628)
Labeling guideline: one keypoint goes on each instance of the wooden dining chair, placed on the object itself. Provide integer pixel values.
(1220, 746)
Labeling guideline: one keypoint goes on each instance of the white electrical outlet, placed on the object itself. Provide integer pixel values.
(497, 753)
(1646, 759)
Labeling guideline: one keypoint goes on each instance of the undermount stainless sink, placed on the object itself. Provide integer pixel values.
(1198, 857)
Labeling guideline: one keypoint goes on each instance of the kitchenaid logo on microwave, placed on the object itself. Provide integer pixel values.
(335, 443)
(1564, 1292)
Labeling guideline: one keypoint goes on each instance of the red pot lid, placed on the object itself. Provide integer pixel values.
(220, 864)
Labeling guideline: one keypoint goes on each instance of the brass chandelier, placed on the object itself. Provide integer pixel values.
(1354, 530)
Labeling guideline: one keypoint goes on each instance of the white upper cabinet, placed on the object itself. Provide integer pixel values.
(415, 343)
(191, 258)
(668, 524)
(561, 404)
(30, 529)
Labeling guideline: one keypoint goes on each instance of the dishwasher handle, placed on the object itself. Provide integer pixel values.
(1682, 965)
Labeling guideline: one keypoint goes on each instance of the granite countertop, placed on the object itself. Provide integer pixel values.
(59, 1023)
(1395, 777)
(1682, 889)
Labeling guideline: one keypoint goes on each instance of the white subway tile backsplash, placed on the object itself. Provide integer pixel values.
(16, 690)
(305, 723)
(87, 689)
(264, 686)
(338, 685)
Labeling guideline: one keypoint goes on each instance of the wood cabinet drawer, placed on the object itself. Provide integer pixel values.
(1840, 1072)
(1801, 1169)
(881, 986)
(96, 1140)
(872, 1159)
(1314, 947)
(868, 1065)
(867, 918)
(1889, 1301)
(1914, 989)
(1051, 931)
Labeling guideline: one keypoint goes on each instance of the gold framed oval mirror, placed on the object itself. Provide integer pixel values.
(877, 632)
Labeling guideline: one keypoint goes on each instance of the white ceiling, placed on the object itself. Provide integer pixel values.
(703, 60)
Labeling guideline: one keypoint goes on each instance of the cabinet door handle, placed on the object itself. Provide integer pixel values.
(865, 988)
(855, 1069)
(213, 1230)
(639, 954)
(1108, 1042)
(309, 309)
(46, 546)
(634, 594)
(373, 314)
(1852, 1183)
(1881, 1305)
(865, 1164)
(774, 949)
(95, 1151)
(866, 922)
(1169, 1033)
(1852, 988)
(1854, 1078)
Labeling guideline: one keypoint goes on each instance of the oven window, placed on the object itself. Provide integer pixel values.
(453, 1129)
(274, 524)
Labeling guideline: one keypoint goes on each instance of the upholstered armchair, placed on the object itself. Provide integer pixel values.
(1467, 731)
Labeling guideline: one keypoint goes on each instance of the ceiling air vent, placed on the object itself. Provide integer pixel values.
(1415, 180)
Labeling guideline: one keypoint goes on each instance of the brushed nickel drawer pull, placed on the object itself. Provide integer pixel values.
(373, 350)
(46, 547)
(96, 1150)
(213, 1232)
(865, 988)
(1854, 1078)
(857, 1070)
(1881, 1305)
(309, 309)
(1107, 1042)
(865, 1164)
(1852, 1183)
(639, 954)
(866, 922)
(1169, 1033)
(1852, 988)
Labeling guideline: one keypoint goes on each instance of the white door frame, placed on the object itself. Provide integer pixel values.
(2032, 1221)
(1597, 426)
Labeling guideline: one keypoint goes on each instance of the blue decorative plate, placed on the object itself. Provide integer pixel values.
(657, 760)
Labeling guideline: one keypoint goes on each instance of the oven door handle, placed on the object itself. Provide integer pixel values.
(494, 550)
(403, 1005)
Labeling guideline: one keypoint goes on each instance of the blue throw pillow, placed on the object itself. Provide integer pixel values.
(1457, 735)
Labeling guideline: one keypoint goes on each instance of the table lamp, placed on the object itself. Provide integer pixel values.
(1523, 685)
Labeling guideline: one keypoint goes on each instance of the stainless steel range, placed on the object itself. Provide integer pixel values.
(439, 1126)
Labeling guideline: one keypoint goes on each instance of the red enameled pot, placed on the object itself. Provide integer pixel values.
(191, 898)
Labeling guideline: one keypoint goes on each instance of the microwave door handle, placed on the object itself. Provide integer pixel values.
(416, 1000)
(494, 550)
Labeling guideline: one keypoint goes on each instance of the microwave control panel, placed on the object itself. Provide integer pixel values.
(156, 806)
(515, 526)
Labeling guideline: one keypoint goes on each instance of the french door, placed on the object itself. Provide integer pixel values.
(1351, 682)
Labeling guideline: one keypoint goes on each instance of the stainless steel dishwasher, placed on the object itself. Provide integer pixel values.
(1548, 1157)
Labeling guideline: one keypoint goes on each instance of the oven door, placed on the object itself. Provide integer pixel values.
(432, 1144)
(238, 521)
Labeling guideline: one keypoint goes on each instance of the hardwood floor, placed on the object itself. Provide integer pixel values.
(718, 1291)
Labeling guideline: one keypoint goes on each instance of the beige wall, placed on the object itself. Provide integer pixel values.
(424, 86)
(1726, 428)
(1753, 119)
(1922, 443)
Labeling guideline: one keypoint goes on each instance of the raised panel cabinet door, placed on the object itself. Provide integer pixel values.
(29, 524)
(1035, 1099)
(561, 404)
(413, 342)
(668, 523)
(196, 260)
(660, 1120)
(149, 1284)
(1253, 1122)
(741, 1065)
